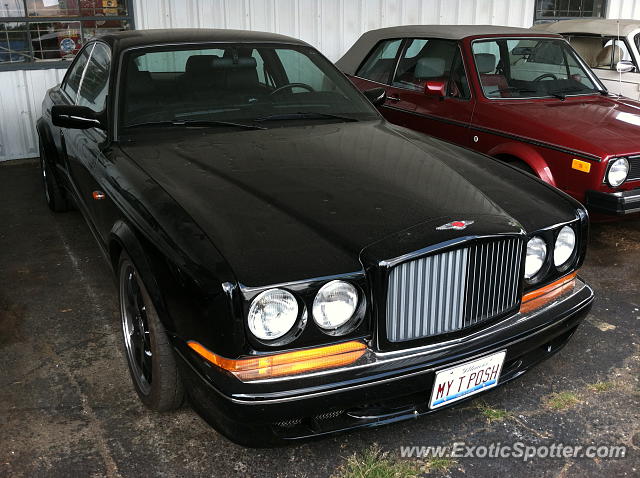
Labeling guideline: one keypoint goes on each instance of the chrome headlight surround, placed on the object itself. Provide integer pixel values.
(564, 248)
(536, 258)
(275, 317)
(335, 305)
(617, 172)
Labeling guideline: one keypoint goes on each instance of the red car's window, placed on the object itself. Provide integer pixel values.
(424, 60)
(531, 68)
(379, 64)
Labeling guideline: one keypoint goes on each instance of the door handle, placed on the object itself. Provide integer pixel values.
(393, 98)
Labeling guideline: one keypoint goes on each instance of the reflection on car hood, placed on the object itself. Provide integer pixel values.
(597, 125)
(298, 202)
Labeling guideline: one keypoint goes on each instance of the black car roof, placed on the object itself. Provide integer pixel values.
(139, 38)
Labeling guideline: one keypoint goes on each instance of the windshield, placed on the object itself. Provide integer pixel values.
(225, 84)
(530, 68)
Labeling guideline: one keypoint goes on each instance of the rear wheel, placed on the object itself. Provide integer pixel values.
(54, 195)
(149, 354)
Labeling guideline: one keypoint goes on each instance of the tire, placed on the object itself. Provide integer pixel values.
(55, 196)
(150, 356)
(523, 166)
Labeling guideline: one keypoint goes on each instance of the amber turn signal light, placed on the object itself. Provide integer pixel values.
(287, 363)
(539, 297)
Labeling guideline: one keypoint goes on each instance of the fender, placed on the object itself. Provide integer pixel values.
(527, 154)
(44, 134)
(123, 238)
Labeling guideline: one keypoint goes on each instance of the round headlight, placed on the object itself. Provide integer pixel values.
(272, 314)
(335, 304)
(618, 171)
(536, 255)
(565, 244)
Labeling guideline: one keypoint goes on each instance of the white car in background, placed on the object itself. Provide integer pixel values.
(610, 48)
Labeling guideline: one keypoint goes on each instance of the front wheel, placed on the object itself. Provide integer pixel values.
(149, 354)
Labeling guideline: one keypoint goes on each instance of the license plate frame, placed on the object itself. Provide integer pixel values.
(448, 383)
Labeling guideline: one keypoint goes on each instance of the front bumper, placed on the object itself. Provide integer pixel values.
(389, 387)
(618, 203)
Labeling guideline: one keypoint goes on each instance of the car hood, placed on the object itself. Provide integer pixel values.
(596, 125)
(299, 202)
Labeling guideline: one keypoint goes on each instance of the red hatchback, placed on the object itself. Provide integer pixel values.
(521, 96)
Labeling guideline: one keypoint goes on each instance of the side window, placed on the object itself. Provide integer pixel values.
(93, 90)
(74, 76)
(380, 61)
(425, 60)
(587, 47)
(614, 51)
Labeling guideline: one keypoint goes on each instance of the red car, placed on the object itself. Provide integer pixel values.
(524, 97)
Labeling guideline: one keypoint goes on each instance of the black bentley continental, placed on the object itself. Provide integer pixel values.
(285, 258)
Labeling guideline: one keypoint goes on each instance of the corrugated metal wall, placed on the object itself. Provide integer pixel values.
(624, 9)
(330, 25)
(21, 94)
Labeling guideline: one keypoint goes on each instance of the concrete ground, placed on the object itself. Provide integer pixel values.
(67, 407)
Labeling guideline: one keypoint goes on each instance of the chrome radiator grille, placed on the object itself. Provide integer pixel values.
(452, 290)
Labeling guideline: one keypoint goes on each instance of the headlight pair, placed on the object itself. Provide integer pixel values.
(274, 312)
(564, 246)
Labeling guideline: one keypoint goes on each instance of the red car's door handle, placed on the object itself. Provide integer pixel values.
(393, 98)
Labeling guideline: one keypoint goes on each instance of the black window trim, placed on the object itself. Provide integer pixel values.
(59, 64)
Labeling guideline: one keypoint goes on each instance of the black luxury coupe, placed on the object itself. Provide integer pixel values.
(287, 259)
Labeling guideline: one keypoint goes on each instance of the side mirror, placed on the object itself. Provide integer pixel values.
(377, 96)
(435, 88)
(75, 117)
(625, 66)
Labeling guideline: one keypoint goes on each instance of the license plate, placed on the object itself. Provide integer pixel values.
(455, 383)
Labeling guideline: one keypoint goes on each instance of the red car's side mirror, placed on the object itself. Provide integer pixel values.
(435, 88)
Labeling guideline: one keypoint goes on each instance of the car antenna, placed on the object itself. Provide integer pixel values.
(614, 57)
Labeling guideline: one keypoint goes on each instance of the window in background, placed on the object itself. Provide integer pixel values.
(54, 30)
(554, 10)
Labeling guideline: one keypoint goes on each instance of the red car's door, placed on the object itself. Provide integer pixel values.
(433, 62)
(377, 71)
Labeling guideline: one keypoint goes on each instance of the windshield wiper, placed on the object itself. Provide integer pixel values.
(303, 115)
(562, 93)
(557, 94)
(196, 124)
